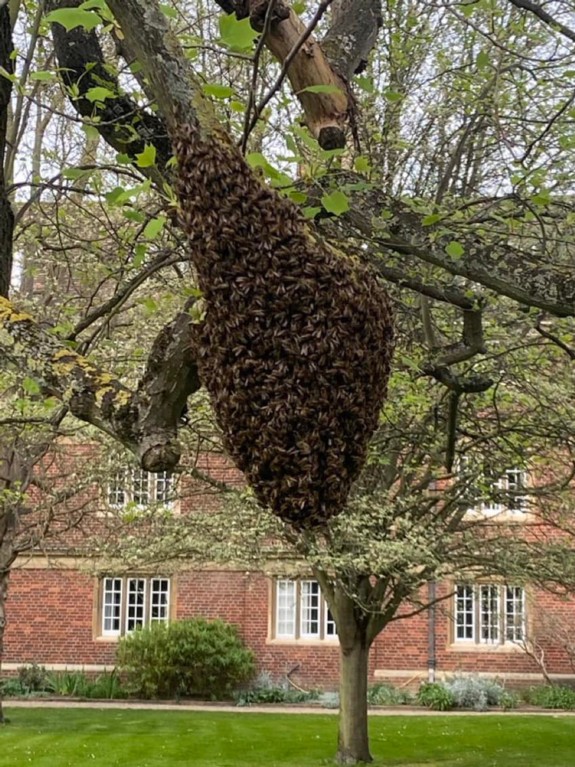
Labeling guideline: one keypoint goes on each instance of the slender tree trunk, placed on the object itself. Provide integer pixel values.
(353, 740)
(7, 555)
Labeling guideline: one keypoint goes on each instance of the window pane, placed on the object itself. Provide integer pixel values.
(310, 596)
(514, 613)
(163, 482)
(159, 600)
(136, 603)
(285, 609)
(116, 494)
(516, 482)
(489, 614)
(330, 627)
(140, 491)
(112, 606)
(464, 612)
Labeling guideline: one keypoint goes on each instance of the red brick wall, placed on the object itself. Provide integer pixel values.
(50, 619)
(51, 622)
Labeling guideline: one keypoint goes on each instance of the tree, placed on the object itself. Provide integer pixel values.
(448, 210)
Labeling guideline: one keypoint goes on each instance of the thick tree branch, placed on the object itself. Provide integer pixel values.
(352, 35)
(488, 259)
(146, 421)
(546, 18)
(121, 122)
(305, 65)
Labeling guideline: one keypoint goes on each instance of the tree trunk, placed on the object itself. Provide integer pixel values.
(353, 740)
(4, 577)
(7, 556)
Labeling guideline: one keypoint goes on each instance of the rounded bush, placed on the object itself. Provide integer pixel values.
(190, 658)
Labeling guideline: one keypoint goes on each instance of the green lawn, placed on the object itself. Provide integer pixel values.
(130, 738)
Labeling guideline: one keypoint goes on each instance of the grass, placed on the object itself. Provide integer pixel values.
(131, 738)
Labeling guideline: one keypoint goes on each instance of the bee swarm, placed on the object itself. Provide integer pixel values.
(296, 343)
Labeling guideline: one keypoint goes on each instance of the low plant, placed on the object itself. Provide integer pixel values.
(272, 695)
(192, 658)
(552, 696)
(509, 700)
(32, 678)
(77, 684)
(11, 688)
(387, 695)
(435, 696)
(475, 692)
(329, 699)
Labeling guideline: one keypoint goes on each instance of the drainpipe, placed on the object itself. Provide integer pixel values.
(431, 647)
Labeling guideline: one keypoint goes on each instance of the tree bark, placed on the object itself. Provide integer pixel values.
(7, 529)
(353, 738)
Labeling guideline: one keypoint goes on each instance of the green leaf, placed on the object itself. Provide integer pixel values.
(321, 89)
(542, 198)
(296, 196)
(70, 18)
(147, 158)
(90, 131)
(218, 91)
(100, 93)
(393, 96)
(336, 203)
(365, 83)
(235, 34)
(311, 212)
(482, 59)
(361, 164)
(433, 218)
(74, 173)
(139, 255)
(455, 249)
(168, 11)
(154, 227)
(31, 386)
(43, 76)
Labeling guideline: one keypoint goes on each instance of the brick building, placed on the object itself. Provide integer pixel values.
(62, 616)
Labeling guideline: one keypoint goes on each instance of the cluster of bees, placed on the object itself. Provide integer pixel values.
(295, 345)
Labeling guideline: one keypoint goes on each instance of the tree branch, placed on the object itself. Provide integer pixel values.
(352, 35)
(305, 65)
(537, 10)
(122, 123)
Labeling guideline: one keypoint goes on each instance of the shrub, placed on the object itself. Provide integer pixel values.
(435, 696)
(272, 695)
(387, 695)
(195, 658)
(32, 678)
(552, 696)
(474, 692)
(264, 690)
(11, 688)
(509, 700)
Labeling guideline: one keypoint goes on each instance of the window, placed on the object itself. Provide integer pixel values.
(507, 493)
(491, 493)
(489, 614)
(140, 487)
(131, 602)
(301, 611)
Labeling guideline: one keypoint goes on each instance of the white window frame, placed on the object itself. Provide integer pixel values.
(301, 612)
(506, 484)
(128, 614)
(140, 488)
(489, 614)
